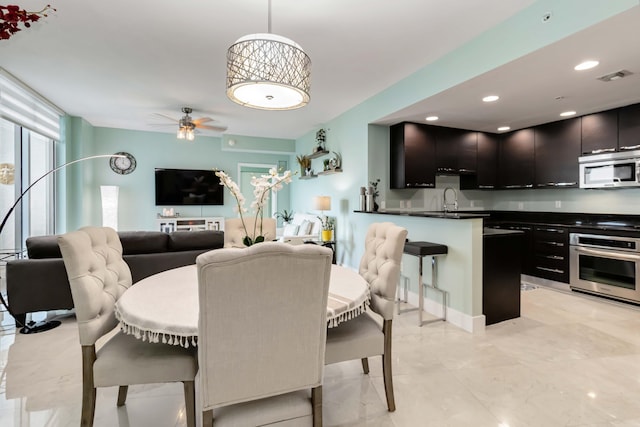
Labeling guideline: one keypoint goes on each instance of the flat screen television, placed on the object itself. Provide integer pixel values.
(175, 187)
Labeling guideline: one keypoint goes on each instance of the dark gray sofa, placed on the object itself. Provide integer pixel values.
(40, 282)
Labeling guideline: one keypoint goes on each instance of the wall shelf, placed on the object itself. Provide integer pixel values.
(308, 176)
(318, 154)
(330, 171)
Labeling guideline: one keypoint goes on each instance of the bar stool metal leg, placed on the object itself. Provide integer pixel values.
(434, 286)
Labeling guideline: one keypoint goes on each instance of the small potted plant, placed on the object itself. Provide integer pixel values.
(328, 225)
(287, 216)
(305, 164)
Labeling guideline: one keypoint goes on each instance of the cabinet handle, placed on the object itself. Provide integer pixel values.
(552, 230)
(486, 186)
(630, 147)
(519, 228)
(554, 244)
(550, 270)
(556, 257)
(601, 150)
(564, 184)
(463, 170)
(519, 186)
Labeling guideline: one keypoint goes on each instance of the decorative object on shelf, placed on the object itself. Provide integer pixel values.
(305, 164)
(11, 16)
(336, 162)
(287, 216)
(268, 72)
(374, 193)
(321, 137)
(7, 173)
(263, 186)
(168, 213)
(33, 327)
(123, 163)
(363, 199)
(326, 165)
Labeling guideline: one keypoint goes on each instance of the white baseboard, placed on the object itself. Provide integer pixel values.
(472, 324)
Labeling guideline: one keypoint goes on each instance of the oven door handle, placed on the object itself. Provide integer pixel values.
(607, 254)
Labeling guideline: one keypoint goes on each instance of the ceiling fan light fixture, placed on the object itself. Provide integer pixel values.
(190, 134)
(181, 133)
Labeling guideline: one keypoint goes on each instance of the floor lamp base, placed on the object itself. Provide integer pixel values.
(37, 327)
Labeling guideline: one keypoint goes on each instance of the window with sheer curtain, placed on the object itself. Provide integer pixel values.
(29, 129)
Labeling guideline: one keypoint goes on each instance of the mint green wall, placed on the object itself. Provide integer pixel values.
(361, 146)
(137, 210)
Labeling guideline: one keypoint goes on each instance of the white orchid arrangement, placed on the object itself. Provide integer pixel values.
(263, 185)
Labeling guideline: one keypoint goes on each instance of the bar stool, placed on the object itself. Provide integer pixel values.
(434, 250)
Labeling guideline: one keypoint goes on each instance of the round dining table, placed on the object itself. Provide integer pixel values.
(164, 307)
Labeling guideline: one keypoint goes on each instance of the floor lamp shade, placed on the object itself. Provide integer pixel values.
(109, 194)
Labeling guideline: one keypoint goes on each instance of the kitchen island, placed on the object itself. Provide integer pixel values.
(459, 272)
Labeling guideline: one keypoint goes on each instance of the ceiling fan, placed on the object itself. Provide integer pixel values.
(187, 125)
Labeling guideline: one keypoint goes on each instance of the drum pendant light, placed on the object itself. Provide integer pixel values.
(268, 72)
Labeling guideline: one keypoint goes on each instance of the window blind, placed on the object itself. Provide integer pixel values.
(23, 106)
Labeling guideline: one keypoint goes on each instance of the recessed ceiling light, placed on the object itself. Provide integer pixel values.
(503, 128)
(567, 113)
(432, 118)
(491, 98)
(586, 65)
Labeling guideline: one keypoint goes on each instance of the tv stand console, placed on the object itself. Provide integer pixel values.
(169, 224)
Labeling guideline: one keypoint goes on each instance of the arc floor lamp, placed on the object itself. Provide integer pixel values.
(34, 327)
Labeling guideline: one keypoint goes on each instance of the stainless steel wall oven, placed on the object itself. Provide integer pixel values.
(605, 265)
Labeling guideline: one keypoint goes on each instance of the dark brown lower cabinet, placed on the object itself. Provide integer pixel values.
(501, 275)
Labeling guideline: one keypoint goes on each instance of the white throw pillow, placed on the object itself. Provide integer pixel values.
(290, 230)
(305, 228)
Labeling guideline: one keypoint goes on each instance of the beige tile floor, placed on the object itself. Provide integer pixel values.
(568, 361)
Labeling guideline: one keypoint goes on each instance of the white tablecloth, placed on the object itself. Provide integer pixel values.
(164, 307)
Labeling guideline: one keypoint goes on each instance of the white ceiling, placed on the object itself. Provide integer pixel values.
(116, 63)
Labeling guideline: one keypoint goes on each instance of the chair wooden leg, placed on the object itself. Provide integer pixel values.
(88, 388)
(386, 366)
(122, 394)
(207, 418)
(190, 402)
(316, 403)
(365, 365)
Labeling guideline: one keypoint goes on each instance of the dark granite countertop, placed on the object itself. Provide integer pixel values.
(432, 214)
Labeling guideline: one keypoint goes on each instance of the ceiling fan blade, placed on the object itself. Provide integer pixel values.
(163, 116)
(203, 120)
(216, 128)
(161, 124)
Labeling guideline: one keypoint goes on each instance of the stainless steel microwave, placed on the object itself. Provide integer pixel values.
(611, 170)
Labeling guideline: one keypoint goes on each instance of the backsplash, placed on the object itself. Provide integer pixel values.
(620, 201)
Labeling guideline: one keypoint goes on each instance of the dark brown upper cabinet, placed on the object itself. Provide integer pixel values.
(516, 159)
(412, 156)
(557, 148)
(600, 132)
(456, 151)
(486, 176)
(629, 127)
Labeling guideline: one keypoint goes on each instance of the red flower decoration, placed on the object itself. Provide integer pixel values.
(11, 16)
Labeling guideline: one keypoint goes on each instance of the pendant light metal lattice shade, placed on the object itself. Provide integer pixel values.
(268, 72)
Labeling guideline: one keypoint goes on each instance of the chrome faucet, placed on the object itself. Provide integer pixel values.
(446, 206)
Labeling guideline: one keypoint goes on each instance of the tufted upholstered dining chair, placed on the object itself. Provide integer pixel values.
(261, 334)
(234, 231)
(364, 336)
(98, 276)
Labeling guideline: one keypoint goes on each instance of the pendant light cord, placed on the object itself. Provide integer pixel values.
(269, 19)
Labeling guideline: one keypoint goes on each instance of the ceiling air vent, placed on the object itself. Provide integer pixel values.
(615, 76)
